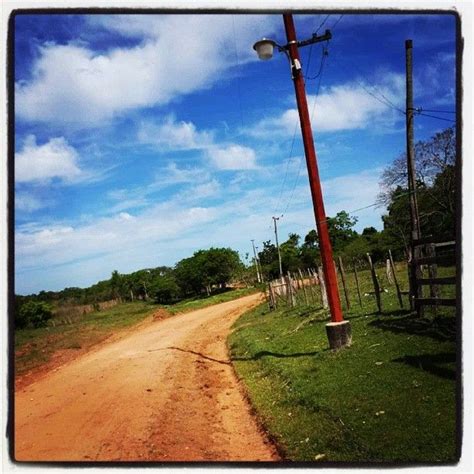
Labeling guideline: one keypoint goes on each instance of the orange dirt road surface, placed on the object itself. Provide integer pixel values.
(165, 392)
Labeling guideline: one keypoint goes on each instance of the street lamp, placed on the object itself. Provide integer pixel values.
(338, 330)
(264, 48)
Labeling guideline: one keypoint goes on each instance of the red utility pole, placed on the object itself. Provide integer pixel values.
(314, 182)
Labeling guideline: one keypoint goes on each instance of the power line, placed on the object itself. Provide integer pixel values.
(238, 67)
(380, 97)
(322, 24)
(337, 21)
(375, 204)
(294, 133)
(439, 111)
(435, 117)
(324, 53)
(312, 115)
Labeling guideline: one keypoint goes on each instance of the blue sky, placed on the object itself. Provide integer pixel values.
(142, 138)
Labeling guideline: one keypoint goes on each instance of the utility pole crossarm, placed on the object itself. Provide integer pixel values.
(315, 39)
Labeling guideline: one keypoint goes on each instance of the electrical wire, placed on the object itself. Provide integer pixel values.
(239, 92)
(324, 53)
(435, 117)
(322, 24)
(380, 97)
(301, 158)
(375, 204)
(337, 21)
(439, 111)
(294, 132)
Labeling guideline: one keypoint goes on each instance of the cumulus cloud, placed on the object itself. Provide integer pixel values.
(26, 202)
(58, 245)
(337, 108)
(233, 157)
(41, 163)
(72, 84)
(172, 135)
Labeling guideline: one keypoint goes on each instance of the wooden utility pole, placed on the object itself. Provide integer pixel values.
(275, 219)
(256, 261)
(415, 289)
(338, 330)
(259, 265)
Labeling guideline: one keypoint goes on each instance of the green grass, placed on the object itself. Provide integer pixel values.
(198, 303)
(390, 397)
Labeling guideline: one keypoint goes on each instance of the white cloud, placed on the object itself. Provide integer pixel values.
(172, 135)
(59, 245)
(233, 157)
(26, 202)
(205, 190)
(172, 175)
(41, 163)
(343, 107)
(177, 55)
(85, 252)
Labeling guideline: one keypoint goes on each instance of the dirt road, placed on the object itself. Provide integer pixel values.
(166, 392)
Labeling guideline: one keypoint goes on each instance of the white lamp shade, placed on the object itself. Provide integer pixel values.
(264, 48)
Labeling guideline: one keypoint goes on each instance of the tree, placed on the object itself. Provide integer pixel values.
(116, 284)
(310, 250)
(340, 230)
(268, 257)
(432, 157)
(164, 289)
(207, 268)
(34, 313)
(290, 254)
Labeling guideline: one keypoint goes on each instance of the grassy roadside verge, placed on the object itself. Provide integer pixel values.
(390, 397)
(35, 348)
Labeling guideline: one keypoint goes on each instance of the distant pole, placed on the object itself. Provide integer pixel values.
(414, 216)
(275, 219)
(255, 260)
(259, 264)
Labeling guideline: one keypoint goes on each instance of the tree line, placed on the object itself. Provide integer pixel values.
(205, 272)
(213, 269)
(435, 161)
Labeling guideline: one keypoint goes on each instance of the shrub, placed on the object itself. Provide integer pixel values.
(34, 313)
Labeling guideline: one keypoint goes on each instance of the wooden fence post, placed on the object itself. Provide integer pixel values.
(357, 282)
(399, 294)
(376, 284)
(289, 291)
(389, 271)
(313, 281)
(271, 297)
(343, 278)
(322, 286)
(303, 286)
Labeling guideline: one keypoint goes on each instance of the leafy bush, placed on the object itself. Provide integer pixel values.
(33, 313)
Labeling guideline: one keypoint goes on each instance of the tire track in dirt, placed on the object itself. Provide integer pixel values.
(166, 392)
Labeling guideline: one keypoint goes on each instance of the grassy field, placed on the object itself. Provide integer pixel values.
(390, 397)
(36, 347)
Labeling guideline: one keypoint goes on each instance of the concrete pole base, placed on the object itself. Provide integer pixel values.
(339, 334)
